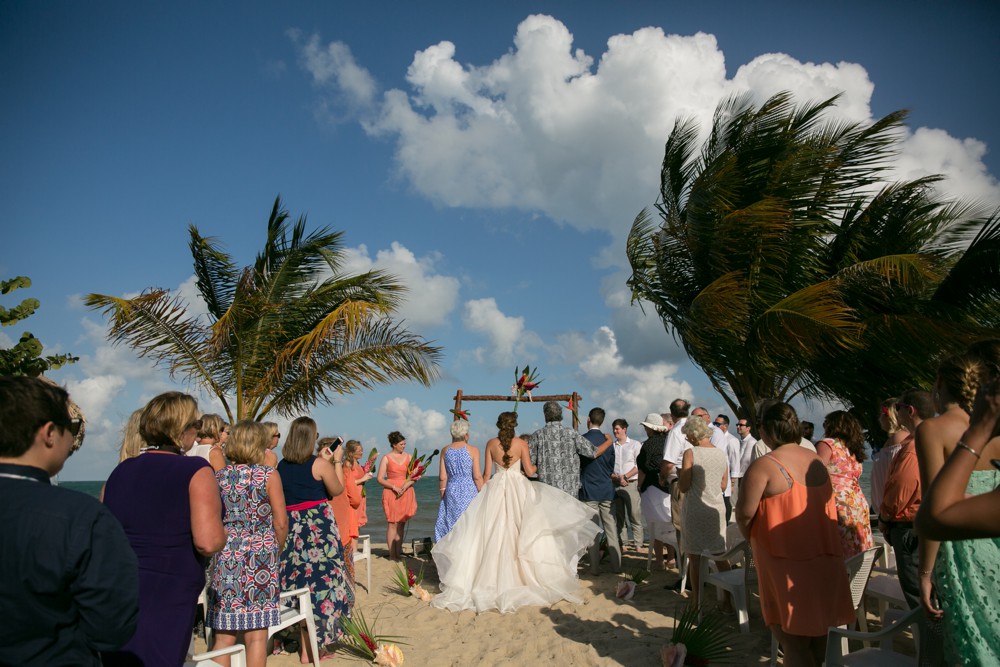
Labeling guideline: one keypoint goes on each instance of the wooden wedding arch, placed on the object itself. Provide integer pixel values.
(574, 397)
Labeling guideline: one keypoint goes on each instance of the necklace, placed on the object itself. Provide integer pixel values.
(173, 449)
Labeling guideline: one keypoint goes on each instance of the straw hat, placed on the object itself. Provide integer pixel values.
(654, 421)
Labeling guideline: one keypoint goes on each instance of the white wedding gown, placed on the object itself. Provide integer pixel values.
(517, 544)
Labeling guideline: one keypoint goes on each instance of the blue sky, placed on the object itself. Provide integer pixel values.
(493, 157)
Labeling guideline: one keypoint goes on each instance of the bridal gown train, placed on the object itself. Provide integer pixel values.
(517, 544)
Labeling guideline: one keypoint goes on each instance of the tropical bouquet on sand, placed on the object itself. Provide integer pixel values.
(361, 639)
(408, 583)
(418, 465)
(630, 581)
(368, 466)
(525, 381)
(704, 642)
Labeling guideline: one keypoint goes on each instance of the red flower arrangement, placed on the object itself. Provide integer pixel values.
(524, 382)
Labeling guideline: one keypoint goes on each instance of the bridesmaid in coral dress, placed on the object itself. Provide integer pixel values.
(398, 498)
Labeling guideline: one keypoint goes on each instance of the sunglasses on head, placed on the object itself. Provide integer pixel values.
(73, 426)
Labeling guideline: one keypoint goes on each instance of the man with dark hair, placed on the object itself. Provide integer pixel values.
(732, 450)
(597, 491)
(900, 502)
(553, 449)
(808, 431)
(69, 579)
(627, 509)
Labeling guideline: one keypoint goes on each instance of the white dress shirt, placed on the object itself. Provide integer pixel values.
(625, 455)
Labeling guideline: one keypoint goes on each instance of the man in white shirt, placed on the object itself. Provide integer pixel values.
(747, 443)
(626, 481)
(733, 452)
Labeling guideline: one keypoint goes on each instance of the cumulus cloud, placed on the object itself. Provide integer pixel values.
(334, 70)
(422, 428)
(508, 339)
(543, 128)
(431, 296)
(620, 388)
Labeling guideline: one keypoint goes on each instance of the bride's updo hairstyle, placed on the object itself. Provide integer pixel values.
(506, 422)
(779, 425)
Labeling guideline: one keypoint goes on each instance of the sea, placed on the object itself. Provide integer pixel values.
(428, 498)
(419, 527)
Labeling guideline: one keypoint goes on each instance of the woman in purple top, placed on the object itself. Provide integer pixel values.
(170, 509)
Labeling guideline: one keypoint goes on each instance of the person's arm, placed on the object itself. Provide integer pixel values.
(270, 458)
(351, 489)
(527, 467)
(477, 477)
(725, 478)
(751, 491)
(331, 473)
(207, 531)
(488, 465)
(105, 590)
(687, 471)
(443, 473)
(945, 512)
(824, 451)
(929, 441)
(603, 447)
(383, 476)
(217, 458)
(279, 512)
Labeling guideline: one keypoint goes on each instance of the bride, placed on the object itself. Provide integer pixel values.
(518, 542)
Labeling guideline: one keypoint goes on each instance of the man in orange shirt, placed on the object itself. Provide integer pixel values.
(900, 502)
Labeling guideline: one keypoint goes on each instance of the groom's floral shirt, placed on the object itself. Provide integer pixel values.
(556, 450)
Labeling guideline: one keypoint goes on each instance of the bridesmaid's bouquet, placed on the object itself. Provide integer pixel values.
(368, 466)
(418, 465)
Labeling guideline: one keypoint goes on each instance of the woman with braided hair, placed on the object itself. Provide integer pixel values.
(518, 543)
(958, 580)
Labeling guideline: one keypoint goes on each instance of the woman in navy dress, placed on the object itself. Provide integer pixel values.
(460, 479)
(170, 509)
(314, 556)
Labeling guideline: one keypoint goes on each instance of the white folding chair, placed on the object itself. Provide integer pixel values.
(737, 582)
(363, 551)
(296, 607)
(837, 651)
(680, 558)
(237, 655)
(886, 591)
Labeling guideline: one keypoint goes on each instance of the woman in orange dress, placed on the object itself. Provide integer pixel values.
(842, 449)
(344, 506)
(398, 498)
(352, 464)
(787, 511)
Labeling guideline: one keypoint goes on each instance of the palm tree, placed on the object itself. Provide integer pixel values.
(280, 335)
(782, 267)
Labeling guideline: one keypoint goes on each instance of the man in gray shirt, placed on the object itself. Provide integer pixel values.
(555, 448)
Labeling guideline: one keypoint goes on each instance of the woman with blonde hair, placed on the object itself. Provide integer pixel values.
(273, 438)
(353, 451)
(883, 456)
(344, 505)
(243, 592)
(132, 442)
(314, 555)
(170, 509)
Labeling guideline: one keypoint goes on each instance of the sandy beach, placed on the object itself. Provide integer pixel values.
(603, 630)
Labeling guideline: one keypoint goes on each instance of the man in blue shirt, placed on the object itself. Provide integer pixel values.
(598, 491)
(69, 581)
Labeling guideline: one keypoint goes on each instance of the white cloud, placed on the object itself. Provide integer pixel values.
(334, 68)
(430, 297)
(423, 429)
(621, 389)
(541, 129)
(509, 341)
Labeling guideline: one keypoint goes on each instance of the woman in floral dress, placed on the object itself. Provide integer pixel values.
(243, 593)
(843, 451)
(314, 556)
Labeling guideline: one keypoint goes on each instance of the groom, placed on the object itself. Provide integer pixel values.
(555, 449)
